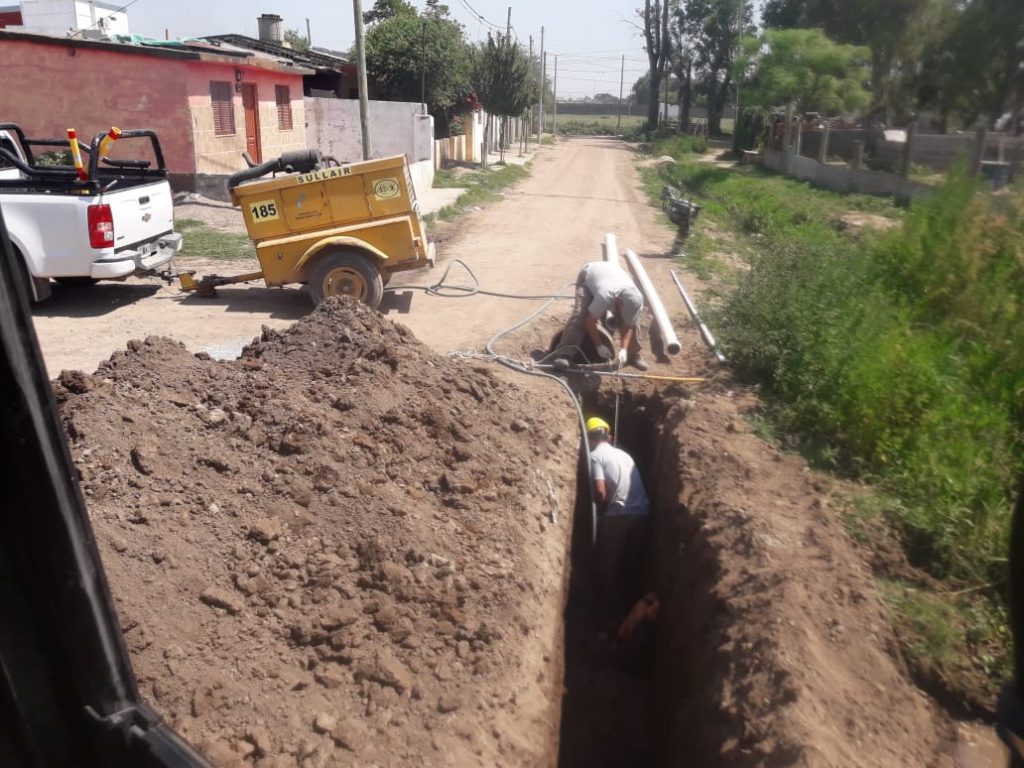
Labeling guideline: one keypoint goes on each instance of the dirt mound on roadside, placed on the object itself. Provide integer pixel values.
(768, 604)
(334, 550)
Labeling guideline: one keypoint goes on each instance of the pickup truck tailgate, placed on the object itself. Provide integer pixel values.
(140, 213)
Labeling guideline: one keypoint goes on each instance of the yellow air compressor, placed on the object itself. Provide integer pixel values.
(341, 229)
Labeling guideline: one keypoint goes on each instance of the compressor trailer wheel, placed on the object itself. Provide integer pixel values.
(343, 273)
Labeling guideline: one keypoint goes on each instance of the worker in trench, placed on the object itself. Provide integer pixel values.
(624, 514)
(601, 288)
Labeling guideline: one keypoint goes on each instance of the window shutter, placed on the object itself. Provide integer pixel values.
(284, 107)
(222, 101)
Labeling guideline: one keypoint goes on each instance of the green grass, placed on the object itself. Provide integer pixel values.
(202, 241)
(482, 187)
(598, 125)
(678, 147)
(948, 637)
(895, 357)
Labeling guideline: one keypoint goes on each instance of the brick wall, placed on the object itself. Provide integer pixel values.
(223, 154)
(47, 90)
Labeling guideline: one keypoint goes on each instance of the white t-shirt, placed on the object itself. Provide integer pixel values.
(605, 282)
(625, 489)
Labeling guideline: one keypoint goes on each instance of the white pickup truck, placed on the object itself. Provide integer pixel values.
(118, 223)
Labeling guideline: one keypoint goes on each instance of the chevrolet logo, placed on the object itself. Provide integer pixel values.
(147, 216)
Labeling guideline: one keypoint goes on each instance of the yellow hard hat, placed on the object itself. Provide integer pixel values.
(594, 423)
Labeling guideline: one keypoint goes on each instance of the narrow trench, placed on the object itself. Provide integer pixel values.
(623, 698)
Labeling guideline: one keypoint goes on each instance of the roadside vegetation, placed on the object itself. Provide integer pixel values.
(482, 186)
(204, 242)
(895, 357)
(599, 125)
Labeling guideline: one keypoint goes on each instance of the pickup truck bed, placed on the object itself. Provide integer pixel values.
(118, 223)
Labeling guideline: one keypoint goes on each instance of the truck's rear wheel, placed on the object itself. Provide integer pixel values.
(343, 273)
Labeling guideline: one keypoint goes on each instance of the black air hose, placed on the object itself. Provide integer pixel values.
(300, 161)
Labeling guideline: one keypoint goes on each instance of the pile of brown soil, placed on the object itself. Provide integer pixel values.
(334, 550)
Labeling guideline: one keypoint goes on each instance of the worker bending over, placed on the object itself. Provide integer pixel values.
(603, 287)
(623, 504)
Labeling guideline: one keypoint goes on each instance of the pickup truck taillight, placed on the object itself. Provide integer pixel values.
(101, 226)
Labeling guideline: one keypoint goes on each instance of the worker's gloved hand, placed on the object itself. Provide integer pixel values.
(621, 358)
(604, 352)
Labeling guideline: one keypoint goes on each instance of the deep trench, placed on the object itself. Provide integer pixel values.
(638, 702)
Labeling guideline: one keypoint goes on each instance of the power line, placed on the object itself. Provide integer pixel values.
(603, 71)
(465, 4)
(602, 59)
(600, 52)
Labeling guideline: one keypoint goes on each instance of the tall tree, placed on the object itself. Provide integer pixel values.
(388, 9)
(405, 51)
(296, 40)
(502, 80)
(804, 67)
(680, 62)
(987, 48)
(714, 29)
(656, 15)
(897, 31)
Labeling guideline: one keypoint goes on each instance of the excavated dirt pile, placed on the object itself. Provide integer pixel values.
(334, 550)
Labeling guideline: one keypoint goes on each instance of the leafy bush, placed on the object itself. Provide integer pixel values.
(752, 129)
(677, 146)
(900, 358)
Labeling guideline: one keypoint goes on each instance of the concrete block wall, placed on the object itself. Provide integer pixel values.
(842, 178)
(396, 128)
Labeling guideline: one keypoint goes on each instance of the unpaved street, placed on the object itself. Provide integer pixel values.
(773, 645)
(535, 241)
(532, 242)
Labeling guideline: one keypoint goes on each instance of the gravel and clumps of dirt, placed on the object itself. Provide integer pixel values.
(777, 649)
(334, 550)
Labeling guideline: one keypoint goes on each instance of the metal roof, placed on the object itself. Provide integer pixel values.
(308, 58)
(198, 50)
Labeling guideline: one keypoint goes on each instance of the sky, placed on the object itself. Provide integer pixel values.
(589, 37)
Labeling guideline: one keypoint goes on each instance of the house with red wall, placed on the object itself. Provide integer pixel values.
(10, 16)
(208, 104)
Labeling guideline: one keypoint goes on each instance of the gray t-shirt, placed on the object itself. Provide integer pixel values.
(625, 489)
(605, 281)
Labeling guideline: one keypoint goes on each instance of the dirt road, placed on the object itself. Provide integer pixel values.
(774, 647)
(533, 242)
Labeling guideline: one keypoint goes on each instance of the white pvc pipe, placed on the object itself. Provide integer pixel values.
(704, 330)
(610, 248)
(668, 335)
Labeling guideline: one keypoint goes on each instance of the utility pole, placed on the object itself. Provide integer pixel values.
(309, 34)
(529, 124)
(739, 76)
(423, 67)
(508, 26)
(364, 100)
(543, 85)
(622, 80)
(554, 104)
